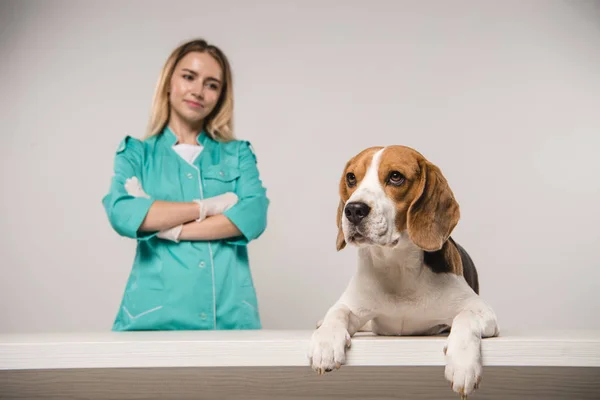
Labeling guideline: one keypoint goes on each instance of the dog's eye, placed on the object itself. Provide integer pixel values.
(350, 179)
(396, 178)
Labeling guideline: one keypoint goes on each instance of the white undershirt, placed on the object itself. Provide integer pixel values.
(188, 152)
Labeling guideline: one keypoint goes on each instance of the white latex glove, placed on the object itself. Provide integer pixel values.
(134, 188)
(171, 234)
(216, 205)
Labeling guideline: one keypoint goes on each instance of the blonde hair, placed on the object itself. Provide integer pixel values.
(219, 123)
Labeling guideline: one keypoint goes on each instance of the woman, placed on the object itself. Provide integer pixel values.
(191, 195)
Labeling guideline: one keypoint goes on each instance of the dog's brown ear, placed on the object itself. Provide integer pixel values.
(434, 212)
(341, 241)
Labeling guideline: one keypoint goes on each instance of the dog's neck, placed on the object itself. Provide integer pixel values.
(404, 258)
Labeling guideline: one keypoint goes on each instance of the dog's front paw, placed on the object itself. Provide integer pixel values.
(327, 348)
(463, 364)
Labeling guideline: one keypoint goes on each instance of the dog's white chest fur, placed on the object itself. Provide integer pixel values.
(397, 294)
(401, 296)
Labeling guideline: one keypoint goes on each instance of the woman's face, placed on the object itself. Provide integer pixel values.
(195, 88)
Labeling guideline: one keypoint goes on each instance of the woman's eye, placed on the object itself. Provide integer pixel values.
(396, 178)
(350, 179)
(188, 77)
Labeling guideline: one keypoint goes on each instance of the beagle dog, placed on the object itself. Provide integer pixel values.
(412, 278)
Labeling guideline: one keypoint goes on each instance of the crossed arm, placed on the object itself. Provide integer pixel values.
(200, 220)
(238, 217)
(212, 228)
(165, 216)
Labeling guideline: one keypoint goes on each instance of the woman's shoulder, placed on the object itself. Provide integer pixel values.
(238, 148)
(237, 145)
(130, 146)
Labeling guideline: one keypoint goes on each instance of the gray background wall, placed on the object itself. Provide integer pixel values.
(504, 96)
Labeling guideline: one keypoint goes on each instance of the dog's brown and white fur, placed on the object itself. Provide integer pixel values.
(412, 277)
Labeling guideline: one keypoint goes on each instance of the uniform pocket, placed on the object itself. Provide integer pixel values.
(220, 179)
(141, 309)
(148, 271)
(145, 292)
(137, 312)
(250, 315)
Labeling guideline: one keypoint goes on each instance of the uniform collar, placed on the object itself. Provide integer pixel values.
(171, 138)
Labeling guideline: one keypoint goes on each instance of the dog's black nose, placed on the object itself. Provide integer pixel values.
(356, 211)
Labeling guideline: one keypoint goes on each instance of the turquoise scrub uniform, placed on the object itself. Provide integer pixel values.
(190, 285)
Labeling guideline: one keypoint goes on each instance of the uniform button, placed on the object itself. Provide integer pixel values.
(202, 264)
(189, 175)
(203, 316)
(221, 173)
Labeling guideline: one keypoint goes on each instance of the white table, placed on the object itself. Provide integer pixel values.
(273, 365)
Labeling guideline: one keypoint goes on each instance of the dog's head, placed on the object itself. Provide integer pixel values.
(391, 193)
